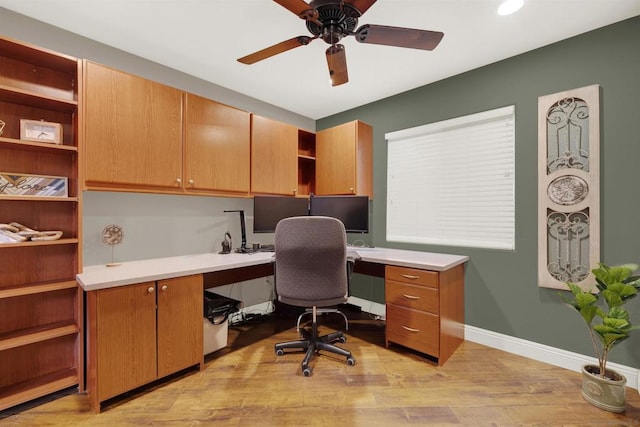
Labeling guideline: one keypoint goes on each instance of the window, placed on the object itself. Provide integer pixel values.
(452, 182)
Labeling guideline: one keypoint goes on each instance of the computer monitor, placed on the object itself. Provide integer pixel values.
(353, 211)
(269, 210)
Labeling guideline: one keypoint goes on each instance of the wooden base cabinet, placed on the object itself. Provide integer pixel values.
(41, 309)
(143, 332)
(425, 309)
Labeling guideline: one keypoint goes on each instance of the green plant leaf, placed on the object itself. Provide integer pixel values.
(616, 286)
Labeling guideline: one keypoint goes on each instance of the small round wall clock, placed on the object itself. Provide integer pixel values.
(112, 235)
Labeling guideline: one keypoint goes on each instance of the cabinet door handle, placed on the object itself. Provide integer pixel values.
(164, 288)
(410, 296)
(409, 276)
(191, 182)
(150, 289)
(410, 329)
(178, 181)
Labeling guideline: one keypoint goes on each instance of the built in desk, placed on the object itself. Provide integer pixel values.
(144, 318)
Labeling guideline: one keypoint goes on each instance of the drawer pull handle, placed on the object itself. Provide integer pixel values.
(410, 296)
(409, 276)
(410, 329)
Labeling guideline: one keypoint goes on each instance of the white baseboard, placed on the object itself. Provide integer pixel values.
(544, 353)
(540, 352)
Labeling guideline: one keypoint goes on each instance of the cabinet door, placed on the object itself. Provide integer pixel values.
(133, 130)
(126, 338)
(180, 313)
(344, 156)
(274, 157)
(217, 146)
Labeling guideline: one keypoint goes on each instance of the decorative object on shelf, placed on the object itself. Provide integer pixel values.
(608, 326)
(112, 235)
(9, 234)
(1, 126)
(26, 185)
(40, 131)
(15, 232)
(226, 244)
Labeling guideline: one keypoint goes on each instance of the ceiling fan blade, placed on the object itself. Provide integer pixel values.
(337, 62)
(300, 8)
(398, 36)
(276, 49)
(361, 5)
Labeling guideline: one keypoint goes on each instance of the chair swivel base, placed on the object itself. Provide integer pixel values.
(312, 343)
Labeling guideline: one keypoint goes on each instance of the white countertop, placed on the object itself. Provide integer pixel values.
(101, 277)
(414, 259)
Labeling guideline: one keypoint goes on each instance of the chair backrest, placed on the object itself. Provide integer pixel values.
(311, 261)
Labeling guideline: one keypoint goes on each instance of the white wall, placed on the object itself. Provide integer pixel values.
(157, 226)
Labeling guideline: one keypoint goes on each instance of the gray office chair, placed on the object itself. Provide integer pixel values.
(311, 270)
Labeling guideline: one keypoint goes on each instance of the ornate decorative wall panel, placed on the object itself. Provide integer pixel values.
(568, 187)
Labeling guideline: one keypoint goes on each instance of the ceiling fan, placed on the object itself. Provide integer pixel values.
(331, 20)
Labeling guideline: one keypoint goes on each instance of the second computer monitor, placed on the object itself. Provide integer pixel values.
(353, 211)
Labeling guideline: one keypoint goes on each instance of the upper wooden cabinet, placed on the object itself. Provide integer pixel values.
(274, 157)
(344, 160)
(217, 146)
(132, 130)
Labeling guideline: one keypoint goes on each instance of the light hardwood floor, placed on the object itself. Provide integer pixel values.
(247, 385)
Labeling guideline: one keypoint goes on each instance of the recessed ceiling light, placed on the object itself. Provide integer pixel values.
(510, 6)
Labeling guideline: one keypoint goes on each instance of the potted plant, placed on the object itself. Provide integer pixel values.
(608, 324)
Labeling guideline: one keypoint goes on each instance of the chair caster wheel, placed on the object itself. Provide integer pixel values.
(306, 372)
(279, 352)
(342, 339)
(351, 361)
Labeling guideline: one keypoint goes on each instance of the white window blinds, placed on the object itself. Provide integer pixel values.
(452, 182)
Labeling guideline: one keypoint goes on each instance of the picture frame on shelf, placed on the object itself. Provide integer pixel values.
(40, 131)
(29, 185)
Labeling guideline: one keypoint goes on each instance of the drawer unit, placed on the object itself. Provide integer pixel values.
(425, 309)
(411, 296)
(412, 276)
(415, 329)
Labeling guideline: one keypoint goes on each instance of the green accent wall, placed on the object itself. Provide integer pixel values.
(501, 292)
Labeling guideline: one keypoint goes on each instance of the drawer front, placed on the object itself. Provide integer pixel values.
(412, 296)
(414, 329)
(412, 275)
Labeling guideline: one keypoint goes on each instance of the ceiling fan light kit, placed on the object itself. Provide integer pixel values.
(332, 20)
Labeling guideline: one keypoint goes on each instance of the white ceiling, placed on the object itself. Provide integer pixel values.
(205, 37)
